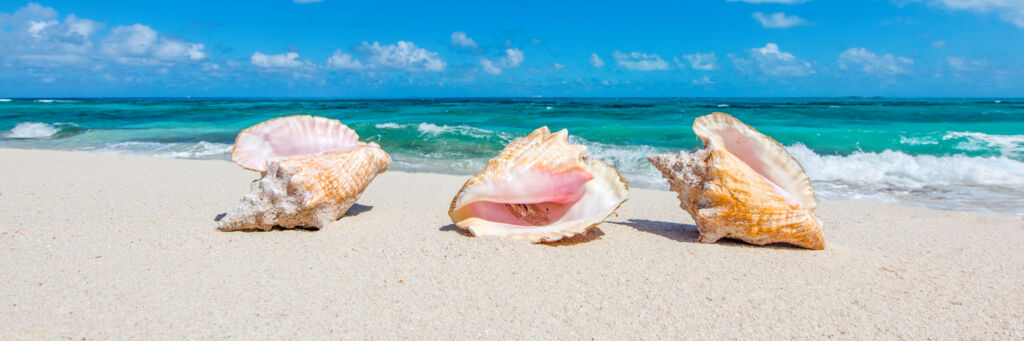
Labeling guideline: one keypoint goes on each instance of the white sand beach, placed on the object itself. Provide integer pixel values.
(101, 246)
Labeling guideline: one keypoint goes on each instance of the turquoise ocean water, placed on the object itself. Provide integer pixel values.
(963, 154)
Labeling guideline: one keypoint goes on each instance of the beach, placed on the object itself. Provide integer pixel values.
(103, 246)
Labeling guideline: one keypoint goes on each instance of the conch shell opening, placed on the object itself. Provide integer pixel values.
(742, 184)
(540, 188)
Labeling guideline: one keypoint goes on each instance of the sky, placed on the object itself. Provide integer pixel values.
(400, 49)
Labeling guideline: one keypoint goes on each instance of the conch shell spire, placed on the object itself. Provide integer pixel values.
(742, 184)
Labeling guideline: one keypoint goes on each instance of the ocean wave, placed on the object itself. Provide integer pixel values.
(389, 125)
(44, 100)
(917, 140)
(1008, 145)
(630, 160)
(198, 150)
(32, 130)
(430, 129)
(5, 99)
(957, 182)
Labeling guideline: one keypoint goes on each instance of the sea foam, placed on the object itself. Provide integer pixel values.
(32, 130)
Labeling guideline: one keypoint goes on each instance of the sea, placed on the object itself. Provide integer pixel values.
(944, 153)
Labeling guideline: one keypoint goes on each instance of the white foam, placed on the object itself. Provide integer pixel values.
(5, 99)
(957, 182)
(389, 125)
(44, 100)
(915, 141)
(431, 129)
(32, 130)
(199, 150)
(631, 161)
(1008, 145)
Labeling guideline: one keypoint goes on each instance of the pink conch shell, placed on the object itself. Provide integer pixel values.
(742, 184)
(302, 190)
(540, 188)
(289, 136)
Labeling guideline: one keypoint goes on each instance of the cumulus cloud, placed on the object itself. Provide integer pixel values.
(701, 61)
(461, 40)
(288, 60)
(638, 61)
(140, 44)
(35, 35)
(774, 62)
(511, 59)
(859, 58)
(1011, 11)
(596, 60)
(778, 20)
(403, 55)
(489, 67)
(784, 2)
(343, 61)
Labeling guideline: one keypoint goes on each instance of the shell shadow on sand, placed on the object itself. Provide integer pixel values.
(688, 233)
(355, 210)
(675, 231)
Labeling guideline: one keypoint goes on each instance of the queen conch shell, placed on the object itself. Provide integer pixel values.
(540, 188)
(313, 170)
(742, 184)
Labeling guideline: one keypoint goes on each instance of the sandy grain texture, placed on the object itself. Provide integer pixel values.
(107, 246)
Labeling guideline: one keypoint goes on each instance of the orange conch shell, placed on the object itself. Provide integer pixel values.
(305, 190)
(742, 184)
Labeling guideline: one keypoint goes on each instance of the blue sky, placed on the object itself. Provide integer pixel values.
(333, 48)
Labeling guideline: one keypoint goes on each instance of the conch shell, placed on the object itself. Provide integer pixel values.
(313, 170)
(742, 184)
(540, 188)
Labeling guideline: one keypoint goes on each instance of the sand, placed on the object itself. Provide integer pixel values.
(110, 246)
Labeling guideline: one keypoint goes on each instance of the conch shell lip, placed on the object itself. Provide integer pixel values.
(261, 168)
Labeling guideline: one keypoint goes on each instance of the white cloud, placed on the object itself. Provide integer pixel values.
(460, 39)
(701, 61)
(34, 35)
(489, 66)
(140, 44)
(778, 20)
(772, 61)
(511, 59)
(702, 81)
(403, 55)
(558, 66)
(939, 43)
(1011, 11)
(596, 60)
(868, 62)
(784, 2)
(288, 60)
(964, 64)
(343, 61)
(637, 61)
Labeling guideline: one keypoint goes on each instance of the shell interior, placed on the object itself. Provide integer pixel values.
(291, 136)
(762, 153)
(540, 188)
